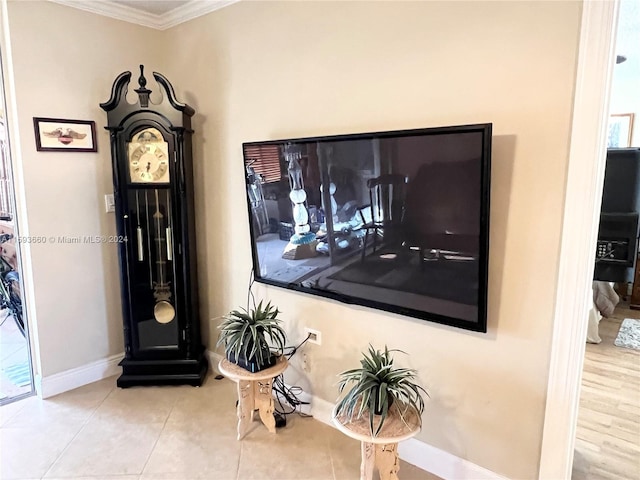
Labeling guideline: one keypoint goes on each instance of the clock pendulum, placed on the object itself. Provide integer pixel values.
(163, 311)
(155, 205)
(169, 232)
(149, 256)
(139, 231)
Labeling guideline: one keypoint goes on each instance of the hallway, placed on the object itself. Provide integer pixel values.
(608, 432)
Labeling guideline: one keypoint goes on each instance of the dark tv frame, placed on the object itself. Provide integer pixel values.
(483, 256)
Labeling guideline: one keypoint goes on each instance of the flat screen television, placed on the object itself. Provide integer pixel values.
(396, 220)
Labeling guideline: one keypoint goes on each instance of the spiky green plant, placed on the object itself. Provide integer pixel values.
(378, 384)
(244, 333)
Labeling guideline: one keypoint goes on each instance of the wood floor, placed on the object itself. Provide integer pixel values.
(608, 433)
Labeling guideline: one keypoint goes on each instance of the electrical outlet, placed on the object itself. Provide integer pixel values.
(305, 362)
(314, 335)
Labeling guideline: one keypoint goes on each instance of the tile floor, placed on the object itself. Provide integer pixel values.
(101, 432)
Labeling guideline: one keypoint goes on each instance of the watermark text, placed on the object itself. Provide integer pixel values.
(71, 239)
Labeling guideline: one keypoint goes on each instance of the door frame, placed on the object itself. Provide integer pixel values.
(583, 197)
(20, 203)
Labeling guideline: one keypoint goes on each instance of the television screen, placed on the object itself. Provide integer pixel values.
(397, 221)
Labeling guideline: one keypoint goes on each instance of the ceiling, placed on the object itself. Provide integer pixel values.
(154, 7)
(160, 14)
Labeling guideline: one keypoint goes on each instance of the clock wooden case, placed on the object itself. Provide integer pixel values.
(153, 189)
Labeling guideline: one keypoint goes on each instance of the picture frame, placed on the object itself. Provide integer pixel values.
(619, 130)
(62, 135)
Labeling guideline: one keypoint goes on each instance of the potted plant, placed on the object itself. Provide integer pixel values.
(378, 385)
(247, 334)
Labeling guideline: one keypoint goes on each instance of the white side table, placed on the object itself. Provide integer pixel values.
(381, 451)
(254, 392)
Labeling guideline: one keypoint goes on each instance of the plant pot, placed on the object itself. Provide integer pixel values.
(251, 364)
(377, 409)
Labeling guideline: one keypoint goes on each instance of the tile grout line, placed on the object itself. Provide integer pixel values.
(82, 427)
(239, 460)
(6, 420)
(333, 468)
(155, 444)
(99, 405)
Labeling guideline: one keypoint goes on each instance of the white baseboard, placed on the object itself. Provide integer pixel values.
(442, 464)
(424, 456)
(78, 377)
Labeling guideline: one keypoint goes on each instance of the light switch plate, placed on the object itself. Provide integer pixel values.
(109, 203)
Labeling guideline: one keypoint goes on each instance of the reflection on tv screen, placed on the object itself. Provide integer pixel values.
(392, 220)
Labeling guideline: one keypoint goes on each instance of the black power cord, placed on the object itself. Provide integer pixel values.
(288, 395)
(295, 349)
(252, 278)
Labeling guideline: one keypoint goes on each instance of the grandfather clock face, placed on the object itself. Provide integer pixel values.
(151, 261)
(148, 157)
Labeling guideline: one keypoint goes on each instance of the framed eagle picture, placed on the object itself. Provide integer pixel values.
(58, 135)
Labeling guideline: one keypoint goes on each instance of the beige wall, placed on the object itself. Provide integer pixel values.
(268, 70)
(64, 62)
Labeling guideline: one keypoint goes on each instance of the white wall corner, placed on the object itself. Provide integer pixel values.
(579, 234)
(78, 377)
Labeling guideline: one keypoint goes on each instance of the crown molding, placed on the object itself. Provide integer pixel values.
(167, 20)
(192, 10)
(114, 10)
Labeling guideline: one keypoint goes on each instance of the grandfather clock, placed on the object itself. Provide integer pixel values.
(153, 189)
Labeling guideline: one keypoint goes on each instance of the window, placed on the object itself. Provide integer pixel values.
(266, 161)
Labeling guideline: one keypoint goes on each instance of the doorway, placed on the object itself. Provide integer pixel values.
(16, 372)
(608, 418)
